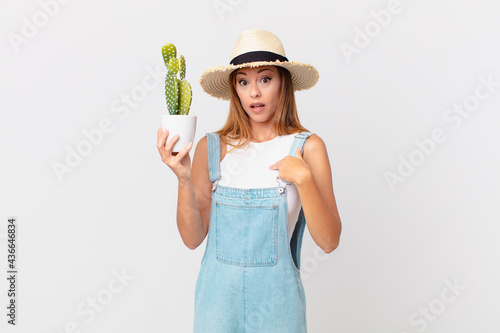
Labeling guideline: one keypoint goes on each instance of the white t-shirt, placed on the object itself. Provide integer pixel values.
(249, 168)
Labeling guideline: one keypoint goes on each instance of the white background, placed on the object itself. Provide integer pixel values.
(114, 213)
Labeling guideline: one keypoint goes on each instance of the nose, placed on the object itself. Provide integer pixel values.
(254, 90)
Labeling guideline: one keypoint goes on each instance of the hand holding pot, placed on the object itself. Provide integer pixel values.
(180, 162)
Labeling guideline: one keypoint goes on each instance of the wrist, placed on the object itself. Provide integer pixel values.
(305, 179)
(184, 182)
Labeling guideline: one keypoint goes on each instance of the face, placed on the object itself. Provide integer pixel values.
(258, 89)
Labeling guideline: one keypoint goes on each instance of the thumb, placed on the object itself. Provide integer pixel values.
(298, 153)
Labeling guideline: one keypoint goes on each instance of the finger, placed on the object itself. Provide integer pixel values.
(298, 153)
(275, 165)
(183, 152)
(170, 145)
(162, 135)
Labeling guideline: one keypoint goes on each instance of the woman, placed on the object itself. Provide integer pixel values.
(253, 199)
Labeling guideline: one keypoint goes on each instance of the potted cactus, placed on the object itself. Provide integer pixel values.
(178, 95)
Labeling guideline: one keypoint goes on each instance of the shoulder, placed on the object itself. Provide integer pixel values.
(314, 150)
(200, 153)
(202, 143)
(314, 143)
(202, 149)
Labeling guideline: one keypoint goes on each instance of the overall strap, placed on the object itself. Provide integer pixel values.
(296, 240)
(299, 141)
(214, 155)
(298, 232)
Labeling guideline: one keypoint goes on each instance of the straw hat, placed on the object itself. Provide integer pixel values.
(256, 48)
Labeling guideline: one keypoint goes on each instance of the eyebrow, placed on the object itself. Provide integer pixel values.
(265, 69)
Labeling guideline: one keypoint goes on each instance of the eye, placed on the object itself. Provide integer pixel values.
(242, 82)
(266, 79)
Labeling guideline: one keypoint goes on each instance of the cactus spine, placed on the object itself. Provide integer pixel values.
(178, 92)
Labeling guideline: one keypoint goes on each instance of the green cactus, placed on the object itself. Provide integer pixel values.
(173, 65)
(182, 65)
(168, 51)
(178, 92)
(172, 93)
(186, 95)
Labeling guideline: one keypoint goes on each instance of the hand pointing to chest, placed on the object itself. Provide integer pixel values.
(292, 169)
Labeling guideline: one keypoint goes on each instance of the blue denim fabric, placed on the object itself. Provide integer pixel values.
(249, 278)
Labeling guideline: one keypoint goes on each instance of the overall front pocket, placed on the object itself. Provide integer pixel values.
(246, 235)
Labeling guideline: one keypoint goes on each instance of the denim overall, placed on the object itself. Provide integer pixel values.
(249, 278)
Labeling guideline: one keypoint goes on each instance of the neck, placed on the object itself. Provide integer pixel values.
(262, 132)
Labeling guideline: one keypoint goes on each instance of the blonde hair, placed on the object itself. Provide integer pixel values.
(285, 119)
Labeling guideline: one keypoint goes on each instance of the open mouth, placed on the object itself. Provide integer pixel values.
(257, 106)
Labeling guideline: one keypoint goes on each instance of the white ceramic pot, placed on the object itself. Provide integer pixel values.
(184, 125)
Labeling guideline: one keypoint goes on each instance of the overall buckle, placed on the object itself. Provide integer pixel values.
(281, 189)
(214, 185)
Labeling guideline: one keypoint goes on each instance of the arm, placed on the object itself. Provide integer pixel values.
(316, 194)
(311, 174)
(194, 200)
(194, 188)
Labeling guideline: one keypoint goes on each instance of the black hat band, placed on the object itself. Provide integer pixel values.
(257, 56)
